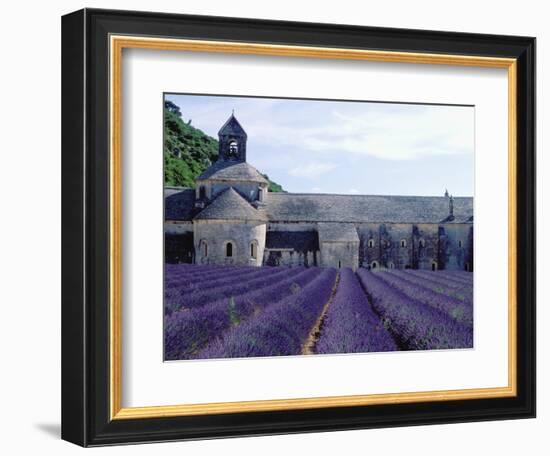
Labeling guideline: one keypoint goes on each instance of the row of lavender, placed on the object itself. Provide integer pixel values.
(193, 292)
(240, 318)
(221, 312)
(282, 328)
(389, 311)
(418, 317)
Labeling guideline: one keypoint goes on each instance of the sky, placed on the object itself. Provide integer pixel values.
(312, 146)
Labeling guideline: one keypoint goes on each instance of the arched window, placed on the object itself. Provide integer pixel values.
(203, 248)
(371, 243)
(374, 265)
(422, 243)
(253, 250)
(229, 249)
(434, 266)
(233, 148)
(460, 243)
(403, 243)
(391, 265)
(202, 192)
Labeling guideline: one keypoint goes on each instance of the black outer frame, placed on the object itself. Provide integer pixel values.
(85, 227)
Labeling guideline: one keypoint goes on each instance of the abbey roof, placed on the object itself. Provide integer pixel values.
(228, 170)
(318, 208)
(301, 241)
(229, 205)
(179, 203)
(337, 232)
(309, 207)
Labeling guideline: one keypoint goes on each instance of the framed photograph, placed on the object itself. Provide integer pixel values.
(279, 227)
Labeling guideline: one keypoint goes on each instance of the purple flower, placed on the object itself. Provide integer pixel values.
(416, 326)
(196, 296)
(439, 283)
(350, 324)
(416, 289)
(187, 331)
(282, 329)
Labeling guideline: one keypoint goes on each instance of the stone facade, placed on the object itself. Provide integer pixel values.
(339, 245)
(213, 236)
(230, 218)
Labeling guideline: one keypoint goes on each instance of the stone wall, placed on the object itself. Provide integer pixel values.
(401, 246)
(212, 236)
(290, 258)
(292, 255)
(426, 247)
(177, 227)
(416, 246)
(340, 254)
(178, 242)
(457, 247)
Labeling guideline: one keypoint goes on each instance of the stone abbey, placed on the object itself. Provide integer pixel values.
(231, 218)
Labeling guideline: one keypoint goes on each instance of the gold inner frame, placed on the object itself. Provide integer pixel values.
(117, 44)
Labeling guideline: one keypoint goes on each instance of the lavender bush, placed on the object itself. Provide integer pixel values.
(350, 324)
(179, 277)
(231, 287)
(457, 276)
(417, 326)
(436, 282)
(281, 329)
(456, 309)
(239, 311)
(189, 285)
(187, 331)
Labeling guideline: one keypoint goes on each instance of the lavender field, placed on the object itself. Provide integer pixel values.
(234, 312)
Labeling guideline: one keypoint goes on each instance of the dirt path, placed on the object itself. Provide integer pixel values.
(309, 345)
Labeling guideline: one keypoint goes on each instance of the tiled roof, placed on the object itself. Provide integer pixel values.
(232, 127)
(229, 205)
(289, 207)
(228, 170)
(301, 241)
(292, 207)
(179, 203)
(337, 232)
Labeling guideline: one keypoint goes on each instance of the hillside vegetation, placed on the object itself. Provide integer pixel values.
(188, 151)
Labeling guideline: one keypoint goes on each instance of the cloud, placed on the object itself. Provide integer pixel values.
(403, 135)
(353, 191)
(311, 170)
(387, 132)
(371, 147)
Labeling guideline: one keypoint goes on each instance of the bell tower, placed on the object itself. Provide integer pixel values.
(232, 140)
